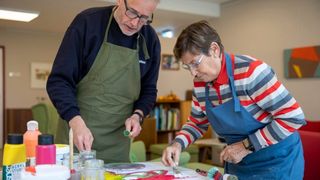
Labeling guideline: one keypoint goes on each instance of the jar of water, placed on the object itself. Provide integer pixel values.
(93, 169)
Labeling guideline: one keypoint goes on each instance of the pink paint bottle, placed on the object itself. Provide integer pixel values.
(45, 150)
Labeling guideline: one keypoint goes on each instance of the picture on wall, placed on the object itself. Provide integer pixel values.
(303, 62)
(39, 74)
(168, 62)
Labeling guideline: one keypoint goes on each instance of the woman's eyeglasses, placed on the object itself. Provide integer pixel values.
(194, 65)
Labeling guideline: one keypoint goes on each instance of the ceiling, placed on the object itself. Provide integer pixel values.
(56, 15)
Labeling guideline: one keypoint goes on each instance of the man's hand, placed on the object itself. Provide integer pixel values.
(234, 153)
(133, 125)
(171, 155)
(82, 136)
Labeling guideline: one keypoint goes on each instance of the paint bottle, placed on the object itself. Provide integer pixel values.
(30, 139)
(14, 157)
(61, 151)
(45, 150)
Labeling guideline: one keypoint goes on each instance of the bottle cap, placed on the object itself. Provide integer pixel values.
(32, 125)
(45, 139)
(15, 139)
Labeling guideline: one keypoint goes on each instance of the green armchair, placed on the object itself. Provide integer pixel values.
(47, 117)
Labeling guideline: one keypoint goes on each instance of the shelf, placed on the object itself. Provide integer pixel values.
(167, 101)
(169, 130)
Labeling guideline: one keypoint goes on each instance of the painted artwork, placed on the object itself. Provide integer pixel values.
(149, 171)
(302, 62)
(169, 62)
(39, 74)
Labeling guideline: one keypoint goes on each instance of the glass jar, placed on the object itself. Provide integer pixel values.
(66, 161)
(93, 170)
(86, 155)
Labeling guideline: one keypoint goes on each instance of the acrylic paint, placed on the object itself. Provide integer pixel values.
(62, 150)
(30, 139)
(14, 157)
(45, 150)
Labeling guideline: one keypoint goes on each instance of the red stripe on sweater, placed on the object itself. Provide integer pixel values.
(286, 126)
(196, 103)
(185, 135)
(262, 116)
(195, 127)
(268, 92)
(246, 102)
(247, 74)
(265, 137)
(196, 121)
(289, 109)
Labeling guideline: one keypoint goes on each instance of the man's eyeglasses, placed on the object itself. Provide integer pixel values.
(132, 14)
(194, 65)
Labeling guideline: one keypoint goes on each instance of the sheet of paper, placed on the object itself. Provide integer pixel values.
(156, 166)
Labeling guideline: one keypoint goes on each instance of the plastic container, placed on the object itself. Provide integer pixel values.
(14, 157)
(61, 151)
(46, 172)
(30, 139)
(45, 150)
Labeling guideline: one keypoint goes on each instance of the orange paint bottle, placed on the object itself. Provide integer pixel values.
(30, 139)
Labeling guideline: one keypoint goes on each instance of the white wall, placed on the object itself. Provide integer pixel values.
(263, 29)
(171, 80)
(260, 28)
(22, 48)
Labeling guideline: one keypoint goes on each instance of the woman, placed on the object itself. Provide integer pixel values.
(241, 98)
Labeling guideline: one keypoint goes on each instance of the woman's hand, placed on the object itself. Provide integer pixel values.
(234, 153)
(170, 156)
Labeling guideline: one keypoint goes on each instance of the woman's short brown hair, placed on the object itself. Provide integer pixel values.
(196, 39)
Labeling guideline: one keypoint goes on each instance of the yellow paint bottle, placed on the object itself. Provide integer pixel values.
(14, 157)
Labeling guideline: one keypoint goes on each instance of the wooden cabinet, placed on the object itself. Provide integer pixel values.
(148, 133)
(169, 117)
(185, 108)
(16, 121)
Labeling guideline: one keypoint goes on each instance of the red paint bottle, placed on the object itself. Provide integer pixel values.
(45, 150)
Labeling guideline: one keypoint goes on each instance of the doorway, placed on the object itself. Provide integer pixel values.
(2, 97)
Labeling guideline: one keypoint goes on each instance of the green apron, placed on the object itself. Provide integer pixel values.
(106, 97)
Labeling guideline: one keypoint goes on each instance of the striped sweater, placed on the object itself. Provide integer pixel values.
(259, 92)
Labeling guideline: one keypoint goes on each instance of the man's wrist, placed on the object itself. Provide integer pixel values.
(140, 115)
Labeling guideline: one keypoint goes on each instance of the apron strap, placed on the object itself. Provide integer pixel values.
(208, 102)
(231, 83)
(144, 47)
(109, 22)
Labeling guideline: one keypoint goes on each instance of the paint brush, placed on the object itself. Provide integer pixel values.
(174, 168)
(71, 151)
